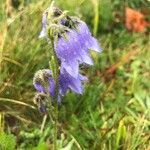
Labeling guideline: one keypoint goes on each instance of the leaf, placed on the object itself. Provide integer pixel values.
(121, 134)
(7, 141)
(69, 145)
(41, 146)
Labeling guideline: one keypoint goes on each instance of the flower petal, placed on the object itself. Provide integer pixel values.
(39, 87)
(51, 87)
(85, 58)
(43, 32)
(68, 82)
(93, 45)
(72, 67)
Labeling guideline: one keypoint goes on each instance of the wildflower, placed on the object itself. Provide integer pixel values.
(74, 50)
(72, 46)
(72, 42)
(45, 84)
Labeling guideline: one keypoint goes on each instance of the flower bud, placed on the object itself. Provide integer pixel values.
(41, 101)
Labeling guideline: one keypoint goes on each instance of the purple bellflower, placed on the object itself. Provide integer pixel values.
(44, 83)
(72, 50)
(72, 42)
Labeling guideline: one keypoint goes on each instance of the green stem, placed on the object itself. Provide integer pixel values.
(50, 113)
(96, 17)
(56, 77)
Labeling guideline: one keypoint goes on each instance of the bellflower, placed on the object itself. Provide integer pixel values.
(44, 83)
(73, 49)
(72, 42)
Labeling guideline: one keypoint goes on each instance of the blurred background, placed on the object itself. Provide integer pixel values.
(114, 111)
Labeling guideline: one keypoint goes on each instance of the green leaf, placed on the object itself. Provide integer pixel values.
(41, 146)
(69, 145)
(7, 141)
(121, 134)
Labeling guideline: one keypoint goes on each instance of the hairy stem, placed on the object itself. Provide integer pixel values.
(56, 77)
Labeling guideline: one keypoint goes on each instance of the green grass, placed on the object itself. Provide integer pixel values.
(114, 111)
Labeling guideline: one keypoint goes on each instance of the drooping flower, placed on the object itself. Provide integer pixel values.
(72, 42)
(73, 48)
(44, 83)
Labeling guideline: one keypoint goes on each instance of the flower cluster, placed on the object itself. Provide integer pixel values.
(72, 42)
(44, 83)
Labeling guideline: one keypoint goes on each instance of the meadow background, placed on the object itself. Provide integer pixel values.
(114, 111)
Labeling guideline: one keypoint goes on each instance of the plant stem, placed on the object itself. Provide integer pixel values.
(56, 77)
(43, 123)
(96, 17)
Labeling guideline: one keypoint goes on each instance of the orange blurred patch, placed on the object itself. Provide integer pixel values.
(135, 21)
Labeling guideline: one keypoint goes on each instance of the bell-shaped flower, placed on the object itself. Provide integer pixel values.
(72, 50)
(44, 83)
